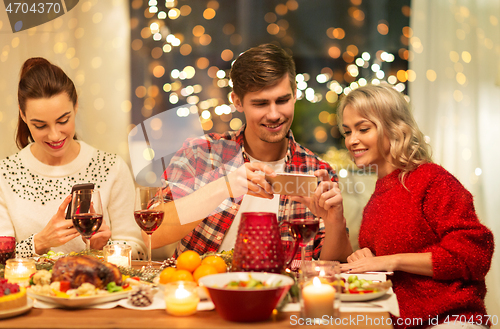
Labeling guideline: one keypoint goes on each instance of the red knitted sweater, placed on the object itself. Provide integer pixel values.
(436, 214)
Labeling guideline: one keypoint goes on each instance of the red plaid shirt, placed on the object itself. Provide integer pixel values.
(201, 161)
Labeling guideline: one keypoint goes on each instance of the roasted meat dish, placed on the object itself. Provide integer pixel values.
(80, 269)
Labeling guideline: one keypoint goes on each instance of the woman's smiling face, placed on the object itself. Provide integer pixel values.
(361, 139)
(51, 122)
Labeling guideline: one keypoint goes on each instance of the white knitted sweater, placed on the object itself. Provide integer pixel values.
(31, 192)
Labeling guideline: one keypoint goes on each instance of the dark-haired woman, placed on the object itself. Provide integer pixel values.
(36, 182)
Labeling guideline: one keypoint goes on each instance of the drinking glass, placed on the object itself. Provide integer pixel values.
(319, 289)
(86, 210)
(147, 212)
(7, 248)
(303, 231)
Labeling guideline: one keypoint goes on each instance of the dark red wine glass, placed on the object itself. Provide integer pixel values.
(303, 231)
(7, 248)
(86, 210)
(148, 212)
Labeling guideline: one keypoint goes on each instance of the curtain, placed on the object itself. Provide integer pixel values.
(91, 44)
(455, 92)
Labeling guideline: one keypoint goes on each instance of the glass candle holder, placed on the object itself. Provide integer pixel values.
(19, 270)
(181, 298)
(7, 248)
(319, 283)
(118, 254)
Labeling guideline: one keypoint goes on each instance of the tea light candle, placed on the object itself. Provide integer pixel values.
(318, 299)
(120, 255)
(19, 270)
(183, 300)
(118, 260)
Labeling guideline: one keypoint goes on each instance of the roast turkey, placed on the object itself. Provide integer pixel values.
(80, 269)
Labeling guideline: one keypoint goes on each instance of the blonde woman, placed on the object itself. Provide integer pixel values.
(420, 221)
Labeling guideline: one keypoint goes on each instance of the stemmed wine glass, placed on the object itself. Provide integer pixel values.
(303, 231)
(86, 210)
(148, 212)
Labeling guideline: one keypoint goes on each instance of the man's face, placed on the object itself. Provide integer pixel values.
(268, 112)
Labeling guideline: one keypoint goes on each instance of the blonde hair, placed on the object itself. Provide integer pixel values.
(390, 112)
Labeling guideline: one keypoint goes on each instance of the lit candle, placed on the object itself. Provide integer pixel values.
(181, 298)
(19, 270)
(318, 299)
(119, 255)
(118, 260)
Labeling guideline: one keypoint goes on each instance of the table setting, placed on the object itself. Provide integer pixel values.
(257, 282)
(384, 300)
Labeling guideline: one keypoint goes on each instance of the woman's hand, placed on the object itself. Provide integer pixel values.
(57, 232)
(360, 254)
(326, 202)
(365, 261)
(101, 238)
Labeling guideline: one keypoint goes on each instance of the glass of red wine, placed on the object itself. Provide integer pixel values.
(7, 248)
(148, 212)
(86, 210)
(303, 231)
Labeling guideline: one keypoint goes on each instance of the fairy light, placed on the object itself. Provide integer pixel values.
(360, 62)
(206, 114)
(301, 85)
(392, 79)
(221, 74)
(311, 86)
(183, 112)
(322, 78)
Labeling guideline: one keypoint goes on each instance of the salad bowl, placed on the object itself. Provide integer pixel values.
(246, 296)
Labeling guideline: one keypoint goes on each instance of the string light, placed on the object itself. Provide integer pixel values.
(328, 84)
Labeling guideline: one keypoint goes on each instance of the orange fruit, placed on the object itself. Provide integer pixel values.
(166, 275)
(204, 270)
(181, 275)
(188, 260)
(215, 261)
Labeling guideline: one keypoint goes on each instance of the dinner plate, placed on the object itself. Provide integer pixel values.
(16, 311)
(76, 302)
(362, 297)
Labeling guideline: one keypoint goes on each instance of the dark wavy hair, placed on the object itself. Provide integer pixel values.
(40, 79)
(260, 67)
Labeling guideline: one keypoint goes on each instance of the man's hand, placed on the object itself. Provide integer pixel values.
(249, 179)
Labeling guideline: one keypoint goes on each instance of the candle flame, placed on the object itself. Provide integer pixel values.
(181, 292)
(317, 282)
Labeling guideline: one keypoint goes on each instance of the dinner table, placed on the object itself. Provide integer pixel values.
(119, 317)
(358, 315)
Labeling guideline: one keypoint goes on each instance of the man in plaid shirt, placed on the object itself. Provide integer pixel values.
(212, 180)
